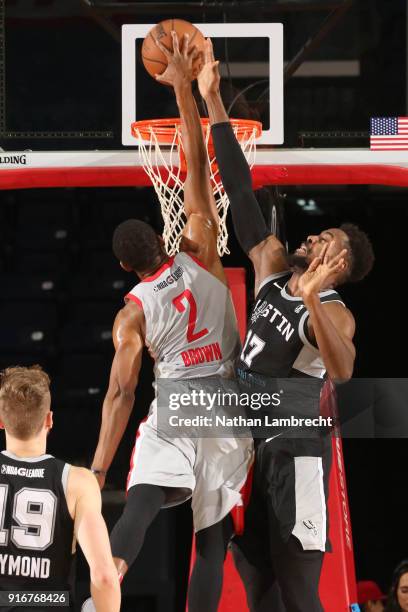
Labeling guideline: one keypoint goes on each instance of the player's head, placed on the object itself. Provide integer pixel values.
(359, 258)
(137, 246)
(25, 402)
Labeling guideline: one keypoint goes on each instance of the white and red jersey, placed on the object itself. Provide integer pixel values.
(191, 327)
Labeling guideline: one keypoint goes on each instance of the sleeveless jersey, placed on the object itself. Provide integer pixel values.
(191, 327)
(36, 529)
(277, 342)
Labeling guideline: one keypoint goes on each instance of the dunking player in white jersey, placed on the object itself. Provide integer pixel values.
(191, 328)
(182, 311)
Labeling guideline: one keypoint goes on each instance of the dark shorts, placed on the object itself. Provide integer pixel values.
(289, 497)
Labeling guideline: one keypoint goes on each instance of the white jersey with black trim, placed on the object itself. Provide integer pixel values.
(277, 342)
(191, 327)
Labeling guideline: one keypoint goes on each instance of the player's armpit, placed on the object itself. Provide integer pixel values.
(199, 239)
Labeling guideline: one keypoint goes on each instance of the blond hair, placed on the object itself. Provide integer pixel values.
(24, 400)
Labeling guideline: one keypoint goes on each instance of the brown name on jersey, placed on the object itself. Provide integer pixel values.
(202, 354)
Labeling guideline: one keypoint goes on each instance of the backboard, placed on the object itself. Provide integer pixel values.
(253, 57)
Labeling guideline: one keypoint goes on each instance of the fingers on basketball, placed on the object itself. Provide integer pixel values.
(185, 48)
(176, 42)
(163, 48)
(193, 52)
(167, 39)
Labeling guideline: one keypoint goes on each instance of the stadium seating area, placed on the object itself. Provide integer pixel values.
(61, 288)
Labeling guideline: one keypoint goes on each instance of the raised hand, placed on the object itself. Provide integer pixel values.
(180, 67)
(209, 77)
(322, 271)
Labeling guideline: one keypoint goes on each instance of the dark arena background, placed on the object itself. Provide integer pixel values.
(60, 91)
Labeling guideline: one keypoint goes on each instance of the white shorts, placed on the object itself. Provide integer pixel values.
(211, 471)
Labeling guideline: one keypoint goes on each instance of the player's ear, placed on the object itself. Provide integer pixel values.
(125, 267)
(341, 276)
(346, 265)
(2, 425)
(49, 420)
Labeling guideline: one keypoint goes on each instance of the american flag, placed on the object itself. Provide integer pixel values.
(389, 133)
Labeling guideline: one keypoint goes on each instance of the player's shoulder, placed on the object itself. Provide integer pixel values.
(188, 258)
(274, 281)
(206, 269)
(81, 487)
(130, 313)
(336, 303)
(339, 310)
(347, 314)
(81, 480)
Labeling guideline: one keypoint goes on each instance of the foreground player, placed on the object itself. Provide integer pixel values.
(182, 307)
(299, 327)
(46, 504)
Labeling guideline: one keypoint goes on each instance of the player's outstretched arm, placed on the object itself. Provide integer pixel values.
(266, 252)
(128, 338)
(90, 530)
(200, 233)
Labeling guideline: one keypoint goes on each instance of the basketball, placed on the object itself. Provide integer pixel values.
(154, 60)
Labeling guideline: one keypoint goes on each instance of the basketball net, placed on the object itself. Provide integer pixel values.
(162, 157)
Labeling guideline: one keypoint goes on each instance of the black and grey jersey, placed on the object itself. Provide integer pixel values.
(36, 529)
(277, 342)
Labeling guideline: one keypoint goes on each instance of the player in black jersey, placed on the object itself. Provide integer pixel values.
(46, 504)
(299, 327)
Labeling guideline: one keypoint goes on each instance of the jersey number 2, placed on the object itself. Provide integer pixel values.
(192, 315)
(34, 510)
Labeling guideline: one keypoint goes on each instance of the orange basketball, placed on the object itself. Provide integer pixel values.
(154, 60)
